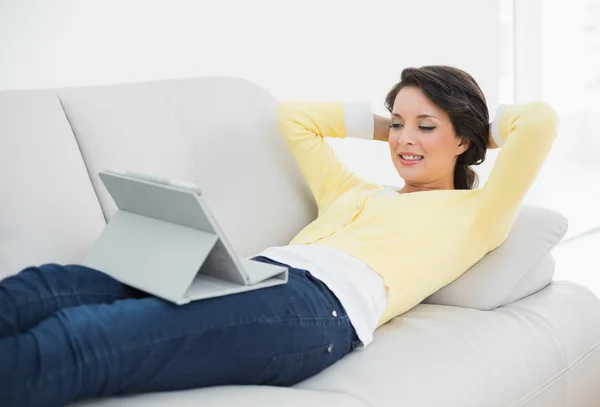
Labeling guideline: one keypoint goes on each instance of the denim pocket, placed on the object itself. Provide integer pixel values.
(291, 368)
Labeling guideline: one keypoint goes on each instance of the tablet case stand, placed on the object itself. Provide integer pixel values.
(175, 262)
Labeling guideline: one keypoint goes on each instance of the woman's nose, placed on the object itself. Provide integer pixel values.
(407, 136)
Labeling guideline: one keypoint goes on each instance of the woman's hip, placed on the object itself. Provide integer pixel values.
(277, 336)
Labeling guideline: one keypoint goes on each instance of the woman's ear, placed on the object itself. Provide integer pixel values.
(463, 145)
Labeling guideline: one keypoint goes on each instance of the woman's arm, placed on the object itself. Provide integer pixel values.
(304, 126)
(525, 133)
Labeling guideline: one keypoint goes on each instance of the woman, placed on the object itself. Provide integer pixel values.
(69, 332)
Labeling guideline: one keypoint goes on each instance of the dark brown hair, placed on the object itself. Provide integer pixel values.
(457, 93)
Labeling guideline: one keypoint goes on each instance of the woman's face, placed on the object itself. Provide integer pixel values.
(423, 144)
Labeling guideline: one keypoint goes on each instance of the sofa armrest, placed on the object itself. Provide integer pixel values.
(519, 267)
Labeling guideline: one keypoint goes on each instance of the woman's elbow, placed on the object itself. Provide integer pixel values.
(540, 117)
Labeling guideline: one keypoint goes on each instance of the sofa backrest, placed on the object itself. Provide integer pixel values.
(217, 132)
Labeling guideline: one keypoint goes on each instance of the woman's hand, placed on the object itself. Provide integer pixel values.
(382, 127)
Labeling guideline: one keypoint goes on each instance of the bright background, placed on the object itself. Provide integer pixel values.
(314, 49)
(518, 50)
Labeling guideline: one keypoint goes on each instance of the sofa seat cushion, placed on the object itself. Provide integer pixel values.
(447, 356)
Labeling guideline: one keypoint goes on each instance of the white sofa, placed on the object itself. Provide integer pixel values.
(516, 339)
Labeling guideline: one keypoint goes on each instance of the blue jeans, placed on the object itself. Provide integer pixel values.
(69, 333)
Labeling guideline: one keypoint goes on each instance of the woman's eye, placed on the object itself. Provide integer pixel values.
(396, 125)
(426, 128)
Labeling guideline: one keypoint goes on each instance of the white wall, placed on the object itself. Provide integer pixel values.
(309, 49)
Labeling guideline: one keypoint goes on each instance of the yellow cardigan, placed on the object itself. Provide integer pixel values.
(421, 241)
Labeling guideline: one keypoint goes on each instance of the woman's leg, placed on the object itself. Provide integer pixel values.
(277, 336)
(35, 293)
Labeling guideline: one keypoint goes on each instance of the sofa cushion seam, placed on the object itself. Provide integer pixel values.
(81, 155)
(556, 378)
(354, 396)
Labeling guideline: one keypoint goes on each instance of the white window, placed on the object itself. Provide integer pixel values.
(557, 59)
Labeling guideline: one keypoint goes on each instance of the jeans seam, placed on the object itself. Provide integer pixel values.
(87, 361)
(40, 299)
